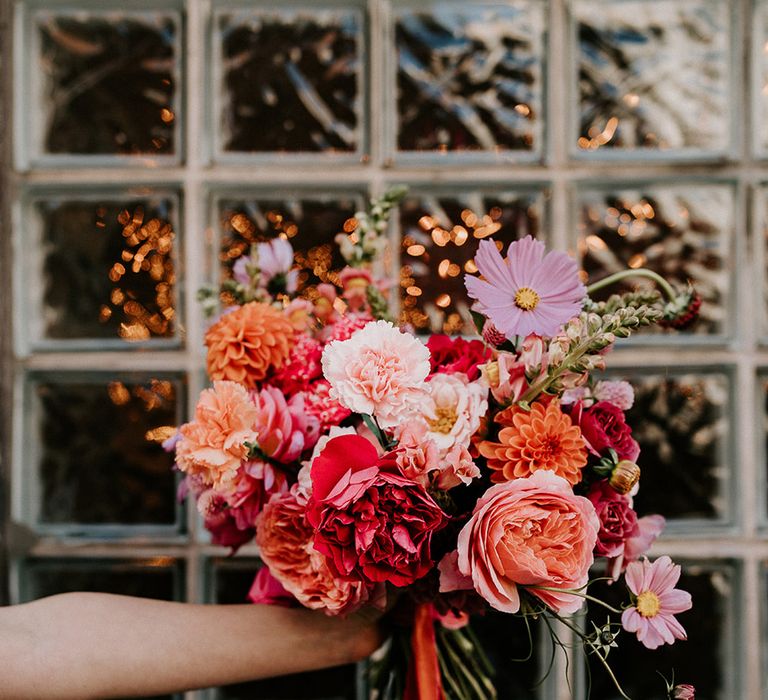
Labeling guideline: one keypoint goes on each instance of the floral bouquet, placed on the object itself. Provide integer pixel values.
(438, 478)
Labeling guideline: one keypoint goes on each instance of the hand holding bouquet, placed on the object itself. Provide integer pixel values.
(457, 474)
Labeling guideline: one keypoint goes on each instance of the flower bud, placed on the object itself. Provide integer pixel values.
(492, 335)
(490, 370)
(684, 692)
(624, 476)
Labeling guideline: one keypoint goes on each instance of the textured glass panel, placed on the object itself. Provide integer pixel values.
(96, 464)
(231, 581)
(760, 135)
(291, 80)
(159, 577)
(653, 74)
(109, 82)
(681, 423)
(440, 234)
(108, 266)
(308, 222)
(701, 661)
(469, 77)
(682, 232)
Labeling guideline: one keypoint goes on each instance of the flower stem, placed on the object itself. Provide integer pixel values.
(640, 272)
(579, 595)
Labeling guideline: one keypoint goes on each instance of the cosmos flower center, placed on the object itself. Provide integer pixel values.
(445, 419)
(526, 299)
(648, 604)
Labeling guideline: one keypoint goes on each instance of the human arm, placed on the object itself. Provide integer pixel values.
(93, 645)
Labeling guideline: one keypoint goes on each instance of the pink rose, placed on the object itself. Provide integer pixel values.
(529, 532)
(604, 427)
(618, 521)
(369, 520)
(451, 355)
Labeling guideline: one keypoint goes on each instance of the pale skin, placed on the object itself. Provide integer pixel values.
(94, 645)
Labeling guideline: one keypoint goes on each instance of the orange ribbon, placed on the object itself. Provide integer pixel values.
(423, 681)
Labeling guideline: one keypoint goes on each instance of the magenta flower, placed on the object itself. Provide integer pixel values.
(656, 602)
(529, 292)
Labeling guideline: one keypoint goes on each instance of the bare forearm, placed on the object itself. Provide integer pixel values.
(95, 646)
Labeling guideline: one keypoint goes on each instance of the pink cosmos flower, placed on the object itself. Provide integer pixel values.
(656, 602)
(530, 292)
(379, 371)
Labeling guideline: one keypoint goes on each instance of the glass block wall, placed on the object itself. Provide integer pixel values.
(153, 140)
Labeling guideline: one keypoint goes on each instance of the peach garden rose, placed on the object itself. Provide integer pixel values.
(529, 532)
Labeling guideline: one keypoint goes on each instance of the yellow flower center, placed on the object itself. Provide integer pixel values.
(445, 419)
(648, 604)
(526, 299)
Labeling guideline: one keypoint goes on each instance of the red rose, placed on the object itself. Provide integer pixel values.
(604, 427)
(369, 520)
(618, 521)
(452, 355)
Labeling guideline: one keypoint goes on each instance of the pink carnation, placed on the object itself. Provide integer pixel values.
(319, 405)
(529, 532)
(379, 371)
(453, 355)
(345, 326)
(212, 446)
(283, 428)
(619, 393)
(302, 365)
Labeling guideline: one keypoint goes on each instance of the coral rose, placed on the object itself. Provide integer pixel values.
(379, 371)
(247, 343)
(285, 545)
(212, 447)
(529, 532)
(370, 521)
(542, 438)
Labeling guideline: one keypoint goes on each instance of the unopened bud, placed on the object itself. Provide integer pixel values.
(490, 370)
(492, 335)
(624, 476)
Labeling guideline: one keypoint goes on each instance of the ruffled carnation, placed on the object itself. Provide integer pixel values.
(452, 355)
(302, 366)
(379, 371)
(285, 545)
(319, 405)
(247, 343)
(345, 326)
(370, 521)
(619, 393)
(543, 438)
(529, 532)
(212, 447)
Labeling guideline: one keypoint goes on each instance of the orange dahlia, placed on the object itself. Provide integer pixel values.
(542, 438)
(245, 344)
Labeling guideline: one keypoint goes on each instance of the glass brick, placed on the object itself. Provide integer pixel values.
(470, 77)
(161, 578)
(291, 80)
(760, 85)
(682, 232)
(653, 76)
(309, 222)
(108, 266)
(230, 581)
(109, 82)
(681, 421)
(703, 660)
(97, 453)
(439, 237)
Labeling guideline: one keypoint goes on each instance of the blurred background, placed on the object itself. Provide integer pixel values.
(148, 143)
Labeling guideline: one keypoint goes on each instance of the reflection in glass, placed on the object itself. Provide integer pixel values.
(681, 232)
(109, 82)
(108, 267)
(99, 461)
(440, 234)
(308, 222)
(291, 80)
(681, 423)
(470, 77)
(653, 74)
(231, 580)
(699, 661)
